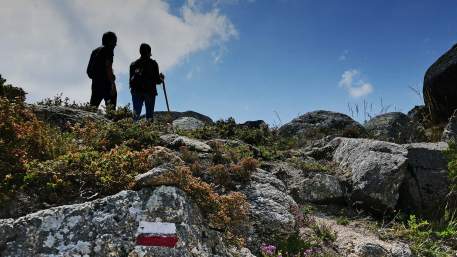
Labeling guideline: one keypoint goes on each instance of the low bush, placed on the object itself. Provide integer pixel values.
(103, 136)
(228, 212)
(24, 138)
(83, 173)
(10, 92)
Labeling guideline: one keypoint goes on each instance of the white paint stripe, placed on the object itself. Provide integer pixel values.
(161, 228)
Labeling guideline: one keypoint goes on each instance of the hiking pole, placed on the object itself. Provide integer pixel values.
(165, 93)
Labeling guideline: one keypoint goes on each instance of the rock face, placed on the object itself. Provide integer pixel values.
(188, 123)
(440, 94)
(377, 171)
(450, 131)
(171, 116)
(271, 213)
(108, 227)
(60, 116)
(322, 123)
(272, 209)
(386, 176)
(305, 186)
(427, 184)
(175, 141)
(394, 127)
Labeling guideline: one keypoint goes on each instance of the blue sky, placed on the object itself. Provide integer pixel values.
(282, 58)
(290, 55)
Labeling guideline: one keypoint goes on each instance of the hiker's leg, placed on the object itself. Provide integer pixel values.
(110, 100)
(113, 97)
(137, 102)
(95, 98)
(150, 100)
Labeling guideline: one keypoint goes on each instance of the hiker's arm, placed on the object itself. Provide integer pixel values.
(109, 71)
(157, 74)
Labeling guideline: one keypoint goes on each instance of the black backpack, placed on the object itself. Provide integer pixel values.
(137, 77)
(92, 66)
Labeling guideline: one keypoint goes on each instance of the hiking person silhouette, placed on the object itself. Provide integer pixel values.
(100, 70)
(144, 76)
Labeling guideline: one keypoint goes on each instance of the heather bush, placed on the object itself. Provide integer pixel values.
(103, 136)
(59, 100)
(10, 92)
(83, 173)
(227, 212)
(24, 138)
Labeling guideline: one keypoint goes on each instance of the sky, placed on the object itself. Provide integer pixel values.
(248, 59)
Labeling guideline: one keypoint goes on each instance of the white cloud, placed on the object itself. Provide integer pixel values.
(46, 44)
(356, 87)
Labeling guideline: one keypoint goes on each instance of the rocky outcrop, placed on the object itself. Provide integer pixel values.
(171, 116)
(322, 123)
(450, 131)
(440, 94)
(309, 187)
(232, 143)
(164, 156)
(61, 116)
(419, 114)
(272, 209)
(395, 127)
(383, 176)
(355, 241)
(176, 141)
(188, 123)
(377, 170)
(427, 183)
(255, 124)
(110, 226)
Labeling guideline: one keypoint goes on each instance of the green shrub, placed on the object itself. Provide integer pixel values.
(59, 100)
(103, 136)
(24, 138)
(11, 93)
(324, 232)
(64, 178)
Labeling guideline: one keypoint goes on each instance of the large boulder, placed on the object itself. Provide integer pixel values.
(62, 116)
(255, 124)
(171, 116)
(395, 127)
(187, 123)
(176, 141)
(110, 226)
(322, 123)
(272, 210)
(377, 170)
(427, 182)
(440, 86)
(383, 176)
(308, 186)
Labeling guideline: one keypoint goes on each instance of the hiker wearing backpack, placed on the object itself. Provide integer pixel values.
(144, 76)
(100, 70)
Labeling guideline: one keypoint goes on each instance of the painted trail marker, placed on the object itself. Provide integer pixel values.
(156, 234)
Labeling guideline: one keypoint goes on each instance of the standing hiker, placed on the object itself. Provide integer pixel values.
(100, 70)
(144, 76)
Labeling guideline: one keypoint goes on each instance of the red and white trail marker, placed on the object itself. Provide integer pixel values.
(156, 234)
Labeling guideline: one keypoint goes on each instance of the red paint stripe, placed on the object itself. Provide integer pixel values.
(149, 240)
